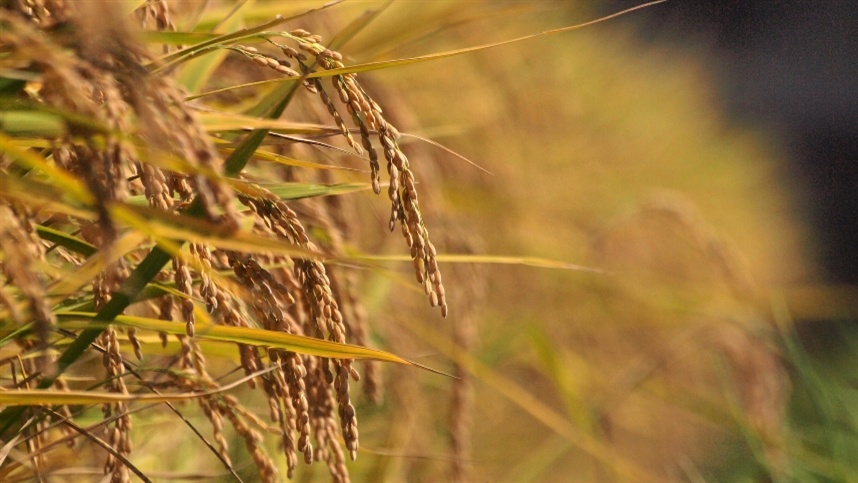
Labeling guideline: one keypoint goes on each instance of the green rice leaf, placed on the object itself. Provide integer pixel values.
(65, 240)
(32, 123)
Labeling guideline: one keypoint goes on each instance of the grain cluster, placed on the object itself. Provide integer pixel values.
(134, 147)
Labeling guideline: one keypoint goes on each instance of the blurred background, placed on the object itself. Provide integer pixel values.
(659, 281)
(791, 67)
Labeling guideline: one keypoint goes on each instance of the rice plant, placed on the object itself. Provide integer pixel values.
(197, 276)
(125, 217)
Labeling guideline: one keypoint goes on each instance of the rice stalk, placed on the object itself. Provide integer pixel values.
(135, 120)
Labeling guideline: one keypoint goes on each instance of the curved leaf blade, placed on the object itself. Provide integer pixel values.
(240, 335)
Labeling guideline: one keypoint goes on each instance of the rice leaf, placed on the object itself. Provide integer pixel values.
(218, 42)
(488, 259)
(238, 335)
(197, 72)
(65, 240)
(297, 191)
(388, 64)
(166, 37)
(31, 123)
(370, 66)
(356, 26)
(63, 181)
